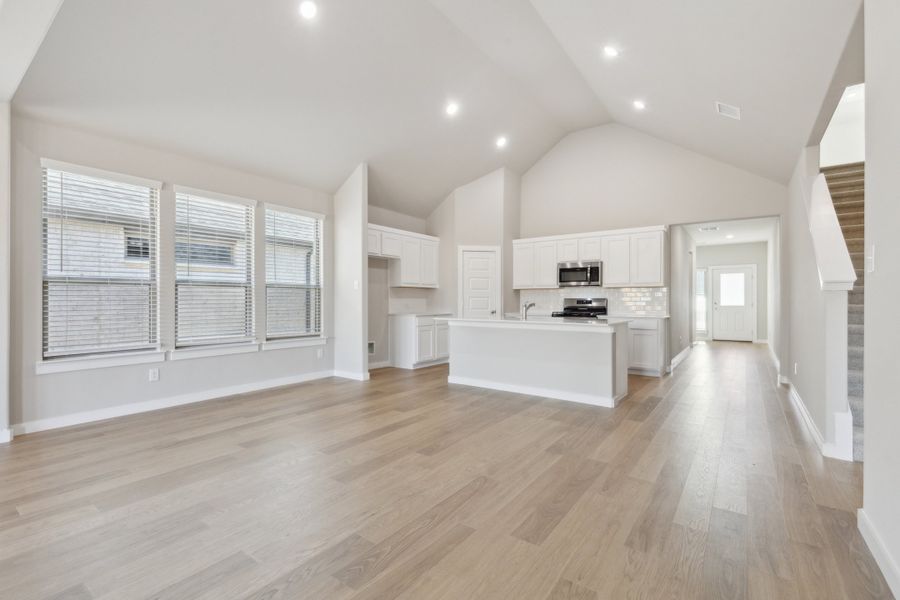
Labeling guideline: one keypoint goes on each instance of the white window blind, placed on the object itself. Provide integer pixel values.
(293, 274)
(213, 270)
(99, 264)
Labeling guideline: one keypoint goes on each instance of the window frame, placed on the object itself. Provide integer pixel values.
(47, 358)
(198, 346)
(284, 341)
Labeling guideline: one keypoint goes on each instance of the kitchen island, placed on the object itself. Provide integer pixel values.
(581, 361)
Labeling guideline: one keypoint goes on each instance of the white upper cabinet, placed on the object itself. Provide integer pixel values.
(523, 266)
(567, 251)
(416, 255)
(616, 260)
(429, 264)
(546, 271)
(635, 257)
(589, 249)
(647, 265)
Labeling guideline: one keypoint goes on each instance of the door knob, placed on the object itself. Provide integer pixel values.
(493, 312)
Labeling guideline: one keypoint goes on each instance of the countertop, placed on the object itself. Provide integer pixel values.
(420, 314)
(598, 325)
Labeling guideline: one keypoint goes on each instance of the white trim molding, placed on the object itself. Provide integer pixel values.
(208, 195)
(58, 165)
(151, 405)
(212, 350)
(383, 364)
(6, 435)
(679, 358)
(877, 547)
(352, 375)
(836, 449)
(527, 390)
(98, 361)
(293, 343)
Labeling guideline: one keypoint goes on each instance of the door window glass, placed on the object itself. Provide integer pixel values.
(731, 289)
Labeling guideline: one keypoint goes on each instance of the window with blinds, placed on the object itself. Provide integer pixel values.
(213, 270)
(99, 264)
(293, 274)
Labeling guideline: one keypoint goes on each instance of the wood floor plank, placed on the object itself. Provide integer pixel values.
(703, 484)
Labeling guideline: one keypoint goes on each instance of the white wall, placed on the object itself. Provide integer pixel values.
(391, 218)
(378, 303)
(806, 345)
(483, 212)
(612, 177)
(5, 249)
(351, 203)
(743, 254)
(53, 395)
(845, 138)
(882, 485)
(682, 256)
(512, 216)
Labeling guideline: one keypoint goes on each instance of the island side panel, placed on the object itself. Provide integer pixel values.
(576, 365)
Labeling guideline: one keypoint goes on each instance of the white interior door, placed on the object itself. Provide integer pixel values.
(734, 303)
(480, 285)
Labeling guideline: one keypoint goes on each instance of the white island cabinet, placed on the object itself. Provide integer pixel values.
(580, 362)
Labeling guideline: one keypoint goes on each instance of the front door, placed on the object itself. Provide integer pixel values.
(480, 293)
(734, 303)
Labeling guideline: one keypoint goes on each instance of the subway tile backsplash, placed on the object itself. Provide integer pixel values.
(622, 301)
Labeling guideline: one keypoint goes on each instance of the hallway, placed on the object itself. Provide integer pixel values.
(704, 484)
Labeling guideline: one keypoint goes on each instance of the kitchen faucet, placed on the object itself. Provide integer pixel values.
(525, 308)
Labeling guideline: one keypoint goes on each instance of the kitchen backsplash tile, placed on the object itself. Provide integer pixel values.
(625, 301)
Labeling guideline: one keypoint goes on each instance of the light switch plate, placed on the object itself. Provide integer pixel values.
(153, 374)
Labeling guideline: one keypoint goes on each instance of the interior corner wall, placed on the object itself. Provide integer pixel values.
(56, 397)
(880, 516)
(391, 218)
(5, 250)
(512, 215)
(612, 176)
(807, 301)
(351, 261)
(682, 253)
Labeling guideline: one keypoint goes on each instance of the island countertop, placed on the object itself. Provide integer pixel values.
(558, 324)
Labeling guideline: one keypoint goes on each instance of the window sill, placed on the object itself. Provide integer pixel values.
(213, 350)
(293, 343)
(83, 363)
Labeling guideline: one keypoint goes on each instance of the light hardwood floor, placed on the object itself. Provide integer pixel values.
(700, 485)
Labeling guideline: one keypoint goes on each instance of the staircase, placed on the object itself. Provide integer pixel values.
(846, 184)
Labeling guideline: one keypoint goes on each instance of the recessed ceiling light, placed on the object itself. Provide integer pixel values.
(730, 236)
(610, 51)
(639, 105)
(451, 109)
(501, 141)
(308, 9)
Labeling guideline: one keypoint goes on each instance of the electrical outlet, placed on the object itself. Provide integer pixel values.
(153, 374)
(319, 353)
(795, 368)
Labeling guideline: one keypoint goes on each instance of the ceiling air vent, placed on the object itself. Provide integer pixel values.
(727, 110)
(708, 228)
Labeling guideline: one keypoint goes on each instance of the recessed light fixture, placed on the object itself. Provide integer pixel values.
(639, 105)
(451, 109)
(308, 9)
(501, 142)
(610, 51)
(730, 236)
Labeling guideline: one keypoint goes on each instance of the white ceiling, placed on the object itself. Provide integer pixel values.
(251, 85)
(740, 231)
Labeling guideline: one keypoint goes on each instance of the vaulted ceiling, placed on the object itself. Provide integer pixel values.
(254, 86)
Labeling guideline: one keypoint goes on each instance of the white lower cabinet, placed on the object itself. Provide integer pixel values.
(418, 340)
(647, 346)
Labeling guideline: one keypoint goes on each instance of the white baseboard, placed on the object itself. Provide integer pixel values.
(761, 341)
(6, 435)
(679, 358)
(775, 359)
(139, 407)
(886, 562)
(536, 391)
(839, 449)
(783, 380)
(379, 365)
(352, 375)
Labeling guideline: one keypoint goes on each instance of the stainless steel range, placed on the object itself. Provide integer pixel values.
(582, 308)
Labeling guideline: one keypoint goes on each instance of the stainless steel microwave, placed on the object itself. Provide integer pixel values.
(572, 274)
